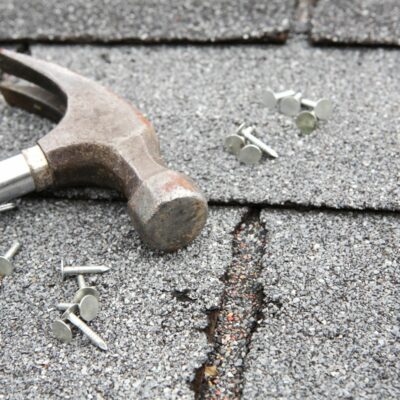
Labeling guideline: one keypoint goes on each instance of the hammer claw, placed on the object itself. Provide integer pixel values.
(46, 75)
(34, 100)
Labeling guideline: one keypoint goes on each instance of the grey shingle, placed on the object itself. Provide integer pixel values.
(195, 96)
(145, 20)
(366, 22)
(331, 316)
(155, 339)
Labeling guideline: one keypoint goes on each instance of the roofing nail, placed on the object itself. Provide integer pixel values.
(85, 269)
(7, 206)
(70, 315)
(322, 107)
(290, 105)
(89, 307)
(6, 267)
(270, 98)
(233, 144)
(307, 121)
(62, 331)
(248, 134)
(84, 290)
(250, 154)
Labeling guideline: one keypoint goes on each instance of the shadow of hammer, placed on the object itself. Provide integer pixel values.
(100, 140)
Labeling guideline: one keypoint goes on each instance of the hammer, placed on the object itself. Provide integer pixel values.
(100, 140)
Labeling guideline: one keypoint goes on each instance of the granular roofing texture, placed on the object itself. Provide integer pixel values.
(196, 96)
(153, 306)
(365, 22)
(145, 20)
(332, 311)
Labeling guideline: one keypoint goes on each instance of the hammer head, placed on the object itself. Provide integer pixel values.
(103, 140)
(170, 210)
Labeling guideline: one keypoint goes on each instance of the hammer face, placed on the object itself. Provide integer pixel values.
(102, 139)
(168, 211)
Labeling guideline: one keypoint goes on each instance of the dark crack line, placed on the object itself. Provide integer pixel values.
(232, 327)
(277, 38)
(293, 206)
(287, 205)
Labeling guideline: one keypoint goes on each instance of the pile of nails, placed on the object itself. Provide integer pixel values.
(6, 267)
(246, 146)
(84, 306)
(249, 149)
(307, 112)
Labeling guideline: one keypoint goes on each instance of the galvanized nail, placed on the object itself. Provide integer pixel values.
(307, 121)
(62, 331)
(233, 144)
(70, 315)
(271, 99)
(322, 107)
(84, 269)
(7, 206)
(248, 134)
(290, 105)
(84, 290)
(250, 154)
(6, 267)
(89, 307)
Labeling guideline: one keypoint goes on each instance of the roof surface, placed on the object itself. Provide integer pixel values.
(291, 291)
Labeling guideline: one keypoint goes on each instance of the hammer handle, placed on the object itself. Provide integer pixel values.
(15, 178)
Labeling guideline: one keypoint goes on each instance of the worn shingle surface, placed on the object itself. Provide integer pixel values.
(331, 316)
(153, 306)
(144, 20)
(367, 22)
(196, 96)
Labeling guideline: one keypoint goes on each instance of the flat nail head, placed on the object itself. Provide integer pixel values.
(233, 144)
(62, 331)
(306, 121)
(89, 307)
(86, 291)
(6, 268)
(269, 99)
(289, 106)
(323, 109)
(250, 154)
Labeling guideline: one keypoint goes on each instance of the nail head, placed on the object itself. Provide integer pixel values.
(289, 106)
(62, 331)
(323, 109)
(306, 121)
(250, 154)
(86, 291)
(233, 144)
(269, 99)
(89, 307)
(6, 268)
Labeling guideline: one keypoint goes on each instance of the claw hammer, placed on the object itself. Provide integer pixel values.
(100, 140)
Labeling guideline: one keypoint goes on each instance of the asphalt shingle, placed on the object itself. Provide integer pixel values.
(195, 96)
(153, 306)
(365, 22)
(331, 317)
(145, 20)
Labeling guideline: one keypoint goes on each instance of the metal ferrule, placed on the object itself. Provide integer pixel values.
(24, 173)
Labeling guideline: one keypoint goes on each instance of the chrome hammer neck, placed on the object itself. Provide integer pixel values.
(24, 173)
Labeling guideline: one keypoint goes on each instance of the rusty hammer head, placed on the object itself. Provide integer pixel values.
(100, 140)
